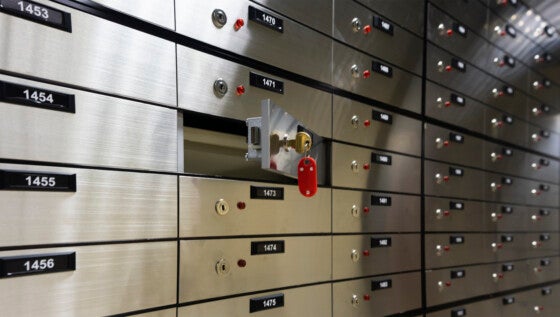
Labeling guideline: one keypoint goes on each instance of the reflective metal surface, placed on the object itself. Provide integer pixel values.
(304, 301)
(304, 261)
(199, 214)
(315, 14)
(404, 13)
(104, 131)
(162, 12)
(257, 41)
(109, 279)
(359, 123)
(402, 295)
(98, 54)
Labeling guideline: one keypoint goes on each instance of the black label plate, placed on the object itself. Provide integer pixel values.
(545, 291)
(508, 300)
(508, 60)
(544, 187)
(37, 264)
(458, 312)
(458, 274)
(457, 138)
(267, 247)
(508, 90)
(37, 181)
(508, 267)
(511, 31)
(382, 117)
(456, 239)
(270, 193)
(507, 119)
(268, 20)
(36, 97)
(381, 159)
(459, 65)
(544, 162)
(456, 205)
(544, 212)
(381, 200)
(381, 284)
(460, 29)
(544, 134)
(380, 242)
(507, 209)
(455, 171)
(544, 237)
(507, 152)
(506, 238)
(507, 181)
(458, 100)
(545, 262)
(383, 25)
(37, 12)
(266, 302)
(382, 69)
(266, 83)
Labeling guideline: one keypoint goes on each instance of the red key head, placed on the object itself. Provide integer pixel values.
(307, 176)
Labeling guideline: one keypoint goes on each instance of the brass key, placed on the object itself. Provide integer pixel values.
(302, 142)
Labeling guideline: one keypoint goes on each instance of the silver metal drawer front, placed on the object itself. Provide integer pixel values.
(161, 12)
(521, 191)
(106, 278)
(376, 86)
(357, 211)
(401, 175)
(497, 126)
(543, 115)
(402, 294)
(315, 14)
(473, 14)
(453, 147)
(534, 303)
(197, 93)
(212, 268)
(362, 124)
(404, 12)
(491, 307)
(470, 185)
(376, 42)
(213, 207)
(104, 207)
(536, 140)
(443, 215)
(104, 131)
(354, 256)
(98, 54)
(439, 105)
(304, 301)
(311, 59)
(443, 250)
(160, 313)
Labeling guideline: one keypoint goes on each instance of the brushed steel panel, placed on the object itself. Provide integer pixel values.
(490, 217)
(160, 313)
(476, 248)
(477, 280)
(402, 90)
(549, 120)
(491, 307)
(107, 205)
(109, 279)
(497, 127)
(198, 215)
(401, 135)
(404, 13)
(470, 185)
(161, 12)
(304, 301)
(403, 175)
(315, 14)
(98, 54)
(311, 59)
(473, 14)
(374, 218)
(196, 92)
(470, 116)
(441, 144)
(547, 305)
(377, 43)
(404, 295)
(402, 255)
(104, 131)
(214, 153)
(521, 191)
(306, 260)
(549, 145)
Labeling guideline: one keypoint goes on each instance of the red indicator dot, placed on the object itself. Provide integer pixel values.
(445, 143)
(446, 213)
(241, 263)
(367, 29)
(239, 23)
(446, 248)
(448, 68)
(241, 205)
(367, 123)
(240, 90)
(447, 283)
(449, 32)
(448, 104)
(445, 178)
(366, 210)
(366, 252)
(366, 73)
(366, 166)
(367, 297)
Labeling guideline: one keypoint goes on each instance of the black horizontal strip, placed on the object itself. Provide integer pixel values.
(491, 232)
(489, 263)
(259, 236)
(144, 311)
(489, 296)
(492, 201)
(205, 121)
(376, 190)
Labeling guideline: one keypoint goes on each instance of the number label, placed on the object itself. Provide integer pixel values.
(36, 97)
(267, 247)
(382, 284)
(266, 19)
(270, 193)
(459, 65)
(457, 138)
(37, 12)
(456, 205)
(381, 159)
(381, 201)
(460, 29)
(266, 302)
(458, 274)
(458, 100)
(382, 69)
(36, 181)
(459, 312)
(37, 264)
(380, 242)
(456, 239)
(266, 83)
(382, 117)
(383, 25)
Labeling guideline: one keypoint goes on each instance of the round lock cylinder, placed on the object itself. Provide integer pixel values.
(355, 300)
(354, 166)
(355, 121)
(220, 87)
(219, 18)
(355, 71)
(222, 267)
(355, 211)
(222, 207)
(356, 25)
(355, 255)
